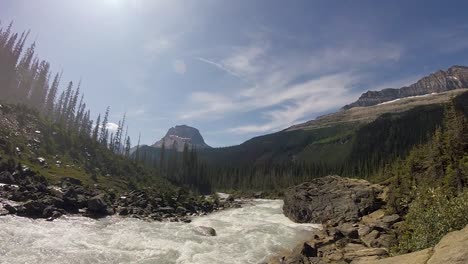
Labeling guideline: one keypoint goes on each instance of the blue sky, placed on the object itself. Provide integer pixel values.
(238, 69)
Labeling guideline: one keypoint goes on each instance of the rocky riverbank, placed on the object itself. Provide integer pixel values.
(27, 194)
(355, 227)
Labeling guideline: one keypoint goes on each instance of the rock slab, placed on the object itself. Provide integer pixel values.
(331, 199)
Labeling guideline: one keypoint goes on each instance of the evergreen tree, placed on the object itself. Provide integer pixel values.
(104, 133)
(96, 128)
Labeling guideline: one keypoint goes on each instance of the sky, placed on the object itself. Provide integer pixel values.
(237, 69)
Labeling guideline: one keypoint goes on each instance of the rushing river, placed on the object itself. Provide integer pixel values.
(245, 235)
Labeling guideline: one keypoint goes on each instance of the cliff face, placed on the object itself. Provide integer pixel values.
(178, 136)
(455, 77)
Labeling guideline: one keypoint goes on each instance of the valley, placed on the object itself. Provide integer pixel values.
(354, 133)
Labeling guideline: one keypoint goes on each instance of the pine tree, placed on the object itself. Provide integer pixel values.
(128, 146)
(96, 128)
(51, 96)
(104, 133)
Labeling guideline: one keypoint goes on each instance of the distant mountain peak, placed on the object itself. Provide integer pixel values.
(456, 77)
(176, 137)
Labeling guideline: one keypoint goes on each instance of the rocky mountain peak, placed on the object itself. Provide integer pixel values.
(176, 137)
(456, 77)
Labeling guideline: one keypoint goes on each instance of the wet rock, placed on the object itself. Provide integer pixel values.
(181, 210)
(207, 231)
(332, 198)
(97, 205)
(166, 209)
(32, 209)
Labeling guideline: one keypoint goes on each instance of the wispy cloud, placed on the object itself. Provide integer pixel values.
(219, 66)
(287, 88)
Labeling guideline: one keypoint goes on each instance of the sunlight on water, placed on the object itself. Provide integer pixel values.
(245, 235)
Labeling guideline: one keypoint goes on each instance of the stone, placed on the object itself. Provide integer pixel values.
(308, 250)
(97, 204)
(365, 253)
(32, 209)
(7, 178)
(333, 199)
(166, 209)
(348, 230)
(373, 217)
(391, 219)
(452, 248)
(11, 209)
(206, 231)
(370, 239)
(419, 257)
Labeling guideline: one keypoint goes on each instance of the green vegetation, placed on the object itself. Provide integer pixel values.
(433, 214)
(430, 184)
(274, 162)
(50, 130)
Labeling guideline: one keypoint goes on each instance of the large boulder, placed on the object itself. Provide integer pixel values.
(451, 249)
(97, 205)
(331, 199)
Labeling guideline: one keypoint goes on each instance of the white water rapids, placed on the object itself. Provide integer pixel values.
(245, 235)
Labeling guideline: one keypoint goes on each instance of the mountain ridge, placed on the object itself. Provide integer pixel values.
(455, 77)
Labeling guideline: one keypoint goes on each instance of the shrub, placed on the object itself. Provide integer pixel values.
(431, 215)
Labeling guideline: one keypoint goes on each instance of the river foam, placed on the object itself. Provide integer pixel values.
(245, 235)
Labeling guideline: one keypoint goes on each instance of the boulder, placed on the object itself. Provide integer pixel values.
(452, 248)
(97, 205)
(331, 199)
(349, 230)
(7, 178)
(206, 231)
(32, 209)
(11, 209)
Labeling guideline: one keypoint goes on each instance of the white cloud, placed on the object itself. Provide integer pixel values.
(179, 66)
(244, 60)
(112, 127)
(287, 88)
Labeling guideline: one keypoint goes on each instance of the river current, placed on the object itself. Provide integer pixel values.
(244, 235)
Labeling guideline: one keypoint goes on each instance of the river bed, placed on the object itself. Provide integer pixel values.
(244, 235)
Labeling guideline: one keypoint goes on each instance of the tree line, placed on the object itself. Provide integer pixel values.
(26, 79)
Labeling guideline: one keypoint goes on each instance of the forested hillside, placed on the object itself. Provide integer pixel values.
(275, 161)
(48, 128)
(429, 186)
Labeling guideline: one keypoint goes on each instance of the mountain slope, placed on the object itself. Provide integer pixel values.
(371, 113)
(178, 136)
(456, 77)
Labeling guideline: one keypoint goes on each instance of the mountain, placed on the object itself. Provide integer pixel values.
(370, 113)
(178, 136)
(354, 142)
(455, 77)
